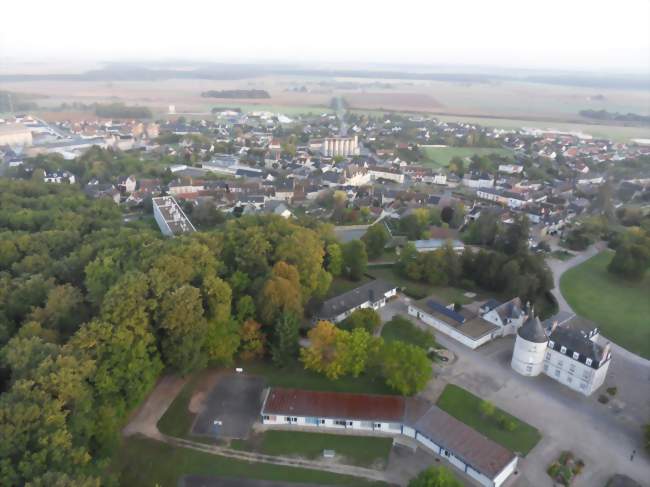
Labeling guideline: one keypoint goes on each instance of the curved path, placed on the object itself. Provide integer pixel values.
(145, 422)
(559, 267)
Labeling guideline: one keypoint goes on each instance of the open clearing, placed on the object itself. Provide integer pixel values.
(464, 406)
(620, 308)
(145, 462)
(363, 451)
(440, 156)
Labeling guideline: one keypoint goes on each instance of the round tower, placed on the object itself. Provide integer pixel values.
(530, 347)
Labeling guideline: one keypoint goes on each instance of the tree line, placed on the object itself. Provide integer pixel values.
(92, 310)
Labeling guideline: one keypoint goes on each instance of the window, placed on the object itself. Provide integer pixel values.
(322, 421)
(572, 368)
(548, 355)
(560, 363)
(266, 417)
(340, 422)
(545, 367)
(563, 349)
(349, 423)
(529, 368)
(287, 419)
(569, 379)
(576, 355)
(377, 425)
(557, 372)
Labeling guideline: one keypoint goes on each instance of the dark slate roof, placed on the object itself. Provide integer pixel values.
(578, 341)
(371, 291)
(464, 442)
(532, 330)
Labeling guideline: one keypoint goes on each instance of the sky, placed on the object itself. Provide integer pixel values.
(592, 35)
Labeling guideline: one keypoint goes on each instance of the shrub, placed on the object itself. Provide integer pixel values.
(603, 399)
(612, 391)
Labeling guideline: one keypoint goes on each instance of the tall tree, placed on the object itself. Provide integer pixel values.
(376, 238)
(435, 477)
(406, 368)
(334, 259)
(355, 259)
(281, 293)
(253, 340)
(325, 353)
(285, 344)
(183, 329)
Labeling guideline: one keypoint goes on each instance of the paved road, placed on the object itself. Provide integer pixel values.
(604, 436)
(559, 267)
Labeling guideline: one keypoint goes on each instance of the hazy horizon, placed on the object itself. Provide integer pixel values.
(551, 35)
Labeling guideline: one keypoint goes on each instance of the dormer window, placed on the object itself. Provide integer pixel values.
(576, 355)
(551, 344)
(588, 361)
(563, 349)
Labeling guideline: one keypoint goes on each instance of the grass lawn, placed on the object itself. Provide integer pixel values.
(342, 285)
(297, 377)
(419, 290)
(464, 406)
(145, 462)
(402, 329)
(177, 420)
(620, 308)
(364, 451)
(440, 156)
(562, 254)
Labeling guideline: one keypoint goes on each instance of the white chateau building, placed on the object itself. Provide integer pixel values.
(567, 355)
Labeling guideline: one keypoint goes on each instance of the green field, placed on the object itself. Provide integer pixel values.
(464, 406)
(402, 329)
(620, 308)
(440, 156)
(617, 133)
(149, 463)
(419, 290)
(177, 420)
(364, 451)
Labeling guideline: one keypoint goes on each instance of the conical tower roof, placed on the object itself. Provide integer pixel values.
(532, 330)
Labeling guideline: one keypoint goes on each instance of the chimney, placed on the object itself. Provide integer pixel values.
(554, 326)
(605, 352)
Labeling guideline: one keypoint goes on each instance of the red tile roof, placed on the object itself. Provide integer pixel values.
(334, 405)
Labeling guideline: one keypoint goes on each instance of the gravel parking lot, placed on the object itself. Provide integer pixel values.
(235, 402)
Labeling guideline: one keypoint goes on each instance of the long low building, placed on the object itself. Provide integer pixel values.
(467, 327)
(170, 216)
(373, 294)
(485, 461)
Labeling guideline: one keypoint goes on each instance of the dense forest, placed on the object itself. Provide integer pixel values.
(93, 310)
(615, 116)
